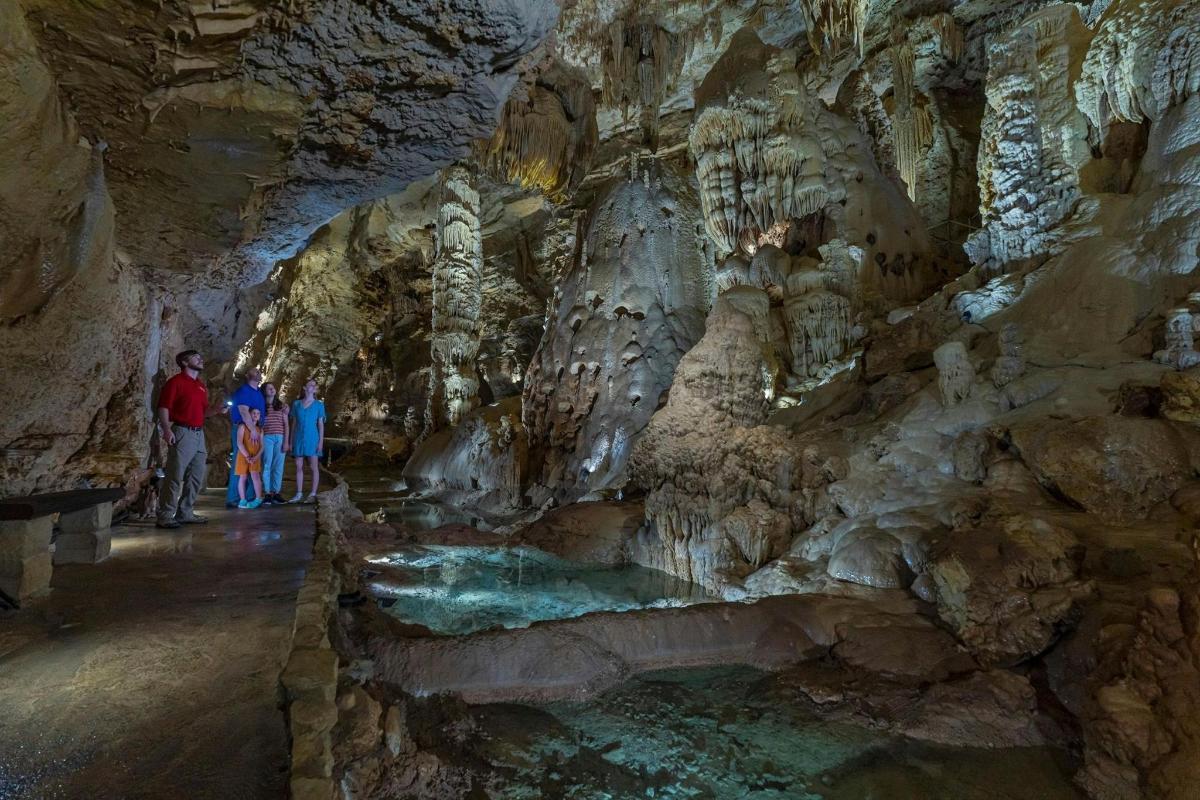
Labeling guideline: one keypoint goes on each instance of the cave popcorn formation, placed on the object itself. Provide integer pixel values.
(848, 339)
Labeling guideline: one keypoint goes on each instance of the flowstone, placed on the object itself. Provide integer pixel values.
(631, 305)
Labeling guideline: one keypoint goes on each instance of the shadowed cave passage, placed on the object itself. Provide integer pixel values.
(713, 399)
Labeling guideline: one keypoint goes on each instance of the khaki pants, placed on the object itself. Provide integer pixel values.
(186, 466)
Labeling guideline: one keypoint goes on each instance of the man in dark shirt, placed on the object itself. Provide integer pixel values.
(245, 398)
(182, 405)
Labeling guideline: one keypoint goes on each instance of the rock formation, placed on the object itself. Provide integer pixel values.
(631, 305)
(457, 301)
(889, 306)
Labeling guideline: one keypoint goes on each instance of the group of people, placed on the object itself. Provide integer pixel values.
(264, 429)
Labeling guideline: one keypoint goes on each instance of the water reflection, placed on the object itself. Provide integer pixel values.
(375, 488)
(153, 544)
(457, 590)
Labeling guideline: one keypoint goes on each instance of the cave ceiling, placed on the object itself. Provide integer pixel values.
(235, 129)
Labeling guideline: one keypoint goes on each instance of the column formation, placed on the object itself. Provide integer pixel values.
(457, 299)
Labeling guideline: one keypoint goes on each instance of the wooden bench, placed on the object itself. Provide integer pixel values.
(26, 525)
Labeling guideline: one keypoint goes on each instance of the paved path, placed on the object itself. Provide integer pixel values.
(154, 673)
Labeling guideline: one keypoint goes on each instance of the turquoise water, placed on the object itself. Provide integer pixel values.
(728, 734)
(458, 590)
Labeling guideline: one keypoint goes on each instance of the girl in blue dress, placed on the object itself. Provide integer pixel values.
(308, 438)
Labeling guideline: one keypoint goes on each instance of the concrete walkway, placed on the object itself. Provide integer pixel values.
(154, 674)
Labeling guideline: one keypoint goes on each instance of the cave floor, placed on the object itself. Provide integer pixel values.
(154, 674)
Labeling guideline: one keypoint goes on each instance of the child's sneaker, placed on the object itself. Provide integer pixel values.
(296, 498)
(254, 504)
(245, 504)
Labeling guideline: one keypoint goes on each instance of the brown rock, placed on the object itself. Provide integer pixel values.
(1181, 395)
(358, 730)
(1008, 591)
(596, 533)
(1118, 467)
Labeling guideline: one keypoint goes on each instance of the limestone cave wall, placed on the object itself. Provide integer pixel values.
(827, 297)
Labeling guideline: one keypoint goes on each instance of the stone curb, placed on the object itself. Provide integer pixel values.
(310, 676)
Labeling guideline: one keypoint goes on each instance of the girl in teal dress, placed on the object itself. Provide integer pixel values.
(308, 438)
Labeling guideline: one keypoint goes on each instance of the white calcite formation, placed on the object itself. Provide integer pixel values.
(956, 374)
(1143, 61)
(1034, 139)
(629, 307)
(758, 163)
(818, 320)
(457, 300)
(1179, 333)
(770, 156)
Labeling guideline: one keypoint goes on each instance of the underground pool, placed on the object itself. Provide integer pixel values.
(730, 733)
(460, 590)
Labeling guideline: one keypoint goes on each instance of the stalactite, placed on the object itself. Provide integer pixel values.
(912, 126)
(457, 301)
(546, 135)
(827, 21)
(948, 35)
(913, 131)
(532, 149)
(903, 72)
(1144, 59)
(638, 66)
(818, 319)
(756, 166)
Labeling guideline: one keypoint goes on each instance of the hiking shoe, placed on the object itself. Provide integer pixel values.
(195, 519)
(169, 524)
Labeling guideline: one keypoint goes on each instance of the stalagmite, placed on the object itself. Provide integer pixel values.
(628, 308)
(457, 300)
(956, 374)
(1034, 140)
(1180, 351)
(1010, 364)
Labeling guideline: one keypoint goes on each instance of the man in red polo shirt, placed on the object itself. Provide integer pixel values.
(181, 411)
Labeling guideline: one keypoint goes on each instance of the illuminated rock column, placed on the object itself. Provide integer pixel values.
(457, 298)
